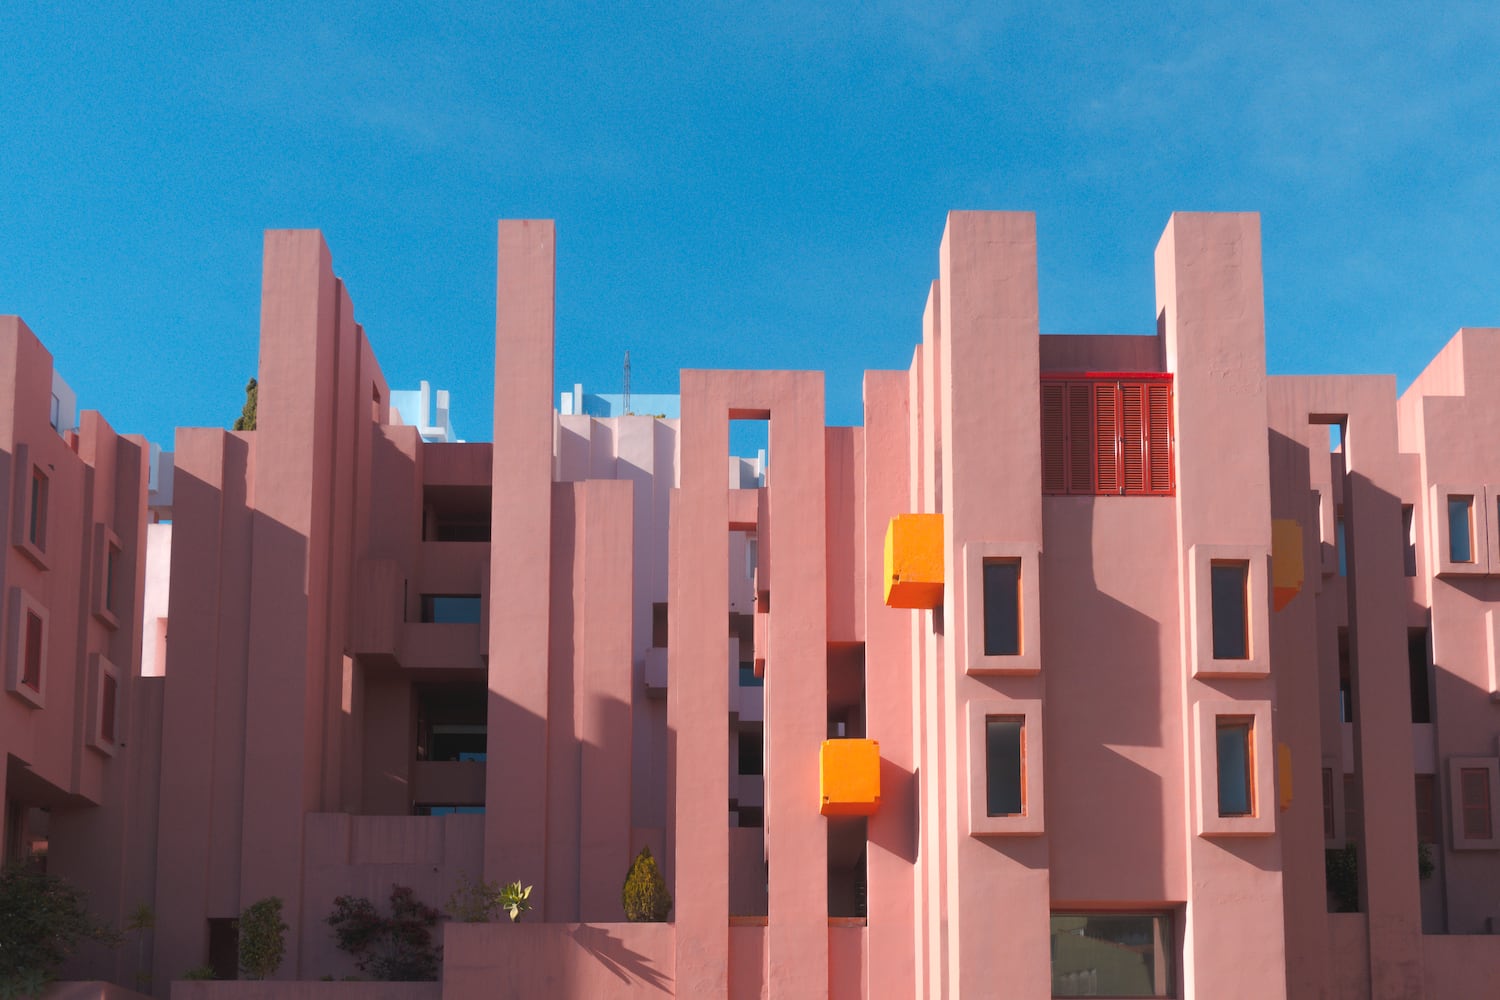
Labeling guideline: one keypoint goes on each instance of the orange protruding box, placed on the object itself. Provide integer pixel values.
(849, 777)
(914, 561)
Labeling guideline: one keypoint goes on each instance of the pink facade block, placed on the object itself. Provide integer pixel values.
(1110, 763)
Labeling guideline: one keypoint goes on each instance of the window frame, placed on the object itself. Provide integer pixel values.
(1171, 942)
(1029, 822)
(1261, 821)
(1457, 806)
(1257, 661)
(107, 544)
(1057, 449)
(25, 499)
(1028, 659)
(1479, 529)
(22, 605)
(101, 671)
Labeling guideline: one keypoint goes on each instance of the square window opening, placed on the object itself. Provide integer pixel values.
(1112, 955)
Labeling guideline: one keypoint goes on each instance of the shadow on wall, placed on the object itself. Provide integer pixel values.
(615, 955)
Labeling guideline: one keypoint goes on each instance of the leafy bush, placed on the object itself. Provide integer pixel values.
(262, 938)
(1342, 871)
(199, 972)
(397, 948)
(43, 919)
(645, 894)
(479, 902)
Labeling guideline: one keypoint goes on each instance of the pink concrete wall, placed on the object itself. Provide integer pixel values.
(528, 960)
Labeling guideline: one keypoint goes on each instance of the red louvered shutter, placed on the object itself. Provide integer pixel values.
(1133, 437)
(1054, 432)
(1107, 437)
(1080, 438)
(1159, 438)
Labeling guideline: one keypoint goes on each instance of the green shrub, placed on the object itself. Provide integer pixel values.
(397, 948)
(262, 938)
(199, 972)
(645, 896)
(1341, 867)
(43, 919)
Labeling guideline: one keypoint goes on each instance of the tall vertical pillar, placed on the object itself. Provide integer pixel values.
(515, 829)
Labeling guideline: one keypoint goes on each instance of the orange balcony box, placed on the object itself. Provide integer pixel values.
(849, 777)
(914, 561)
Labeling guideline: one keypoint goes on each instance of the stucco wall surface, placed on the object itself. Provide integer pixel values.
(524, 961)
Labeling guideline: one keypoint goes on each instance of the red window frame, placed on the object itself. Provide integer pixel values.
(1108, 434)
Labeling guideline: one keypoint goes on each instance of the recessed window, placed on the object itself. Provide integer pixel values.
(1340, 540)
(36, 527)
(1236, 761)
(1474, 790)
(111, 561)
(1002, 607)
(1409, 539)
(1329, 830)
(752, 752)
(1231, 620)
(1107, 436)
(451, 609)
(748, 678)
(1460, 529)
(1004, 755)
(1112, 955)
(31, 668)
(108, 697)
(1416, 666)
(1427, 809)
(1352, 812)
(659, 625)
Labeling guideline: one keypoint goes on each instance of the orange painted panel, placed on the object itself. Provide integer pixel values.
(849, 777)
(914, 561)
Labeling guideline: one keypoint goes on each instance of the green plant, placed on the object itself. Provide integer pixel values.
(43, 918)
(1425, 867)
(479, 902)
(141, 920)
(199, 972)
(1341, 867)
(246, 420)
(262, 938)
(645, 896)
(397, 948)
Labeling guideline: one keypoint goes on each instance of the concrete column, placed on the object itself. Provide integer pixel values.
(515, 829)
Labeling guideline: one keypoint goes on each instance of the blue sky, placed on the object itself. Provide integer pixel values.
(759, 186)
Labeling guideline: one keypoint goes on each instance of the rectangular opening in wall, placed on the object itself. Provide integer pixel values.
(752, 753)
(1002, 607)
(224, 947)
(659, 625)
(1004, 757)
(1112, 955)
(749, 453)
(451, 609)
(455, 513)
(1329, 830)
(452, 722)
(1427, 809)
(31, 667)
(1409, 539)
(1340, 540)
(108, 695)
(1231, 619)
(1421, 681)
(36, 529)
(1346, 677)
(1474, 790)
(1236, 765)
(1353, 815)
(111, 567)
(847, 878)
(1460, 529)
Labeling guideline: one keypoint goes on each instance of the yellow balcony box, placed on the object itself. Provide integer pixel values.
(849, 777)
(914, 561)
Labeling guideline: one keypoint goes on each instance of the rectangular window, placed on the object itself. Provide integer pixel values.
(31, 670)
(1230, 610)
(36, 530)
(1416, 665)
(1002, 607)
(1351, 806)
(1340, 540)
(748, 678)
(1107, 436)
(1460, 529)
(659, 625)
(1346, 678)
(111, 559)
(451, 609)
(1112, 955)
(752, 752)
(1329, 830)
(1409, 539)
(1236, 758)
(1474, 789)
(1427, 809)
(1004, 756)
(108, 694)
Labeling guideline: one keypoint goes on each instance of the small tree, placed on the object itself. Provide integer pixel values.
(478, 902)
(645, 895)
(246, 421)
(43, 919)
(397, 948)
(262, 938)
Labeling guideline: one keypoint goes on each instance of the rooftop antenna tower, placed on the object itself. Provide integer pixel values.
(627, 383)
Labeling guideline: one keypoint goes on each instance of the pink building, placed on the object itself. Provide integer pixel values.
(1088, 658)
